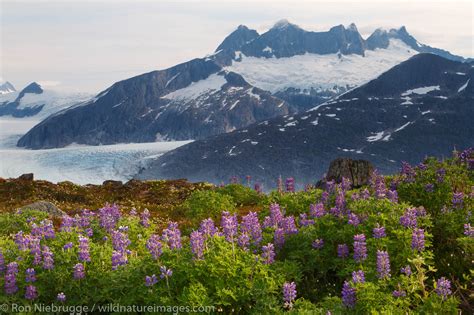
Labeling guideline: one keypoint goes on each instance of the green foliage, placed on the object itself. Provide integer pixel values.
(204, 204)
(242, 195)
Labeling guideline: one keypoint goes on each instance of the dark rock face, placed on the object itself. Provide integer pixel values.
(28, 176)
(241, 36)
(358, 171)
(45, 206)
(380, 39)
(403, 115)
(286, 40)
(190, 101)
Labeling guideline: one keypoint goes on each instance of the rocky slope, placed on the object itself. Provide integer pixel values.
(422, 106)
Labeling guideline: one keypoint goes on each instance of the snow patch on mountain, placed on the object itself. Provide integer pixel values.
(421, 90)
(321, 72)
(211, 84)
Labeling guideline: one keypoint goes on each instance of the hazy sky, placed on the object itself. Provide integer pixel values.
(87, 45)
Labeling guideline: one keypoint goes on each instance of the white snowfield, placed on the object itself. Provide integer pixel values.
(421, 90)
(320, 72)
(53, 101)
(212, 83)
(80, 164)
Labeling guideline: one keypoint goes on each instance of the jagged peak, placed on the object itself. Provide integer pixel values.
(283, 24)
(352, 27)
(33, 87)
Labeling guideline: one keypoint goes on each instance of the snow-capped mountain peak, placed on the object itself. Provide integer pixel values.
(6, 88)
(283, 24)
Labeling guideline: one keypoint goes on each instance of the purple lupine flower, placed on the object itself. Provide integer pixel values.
(365, 194)
(119, 258)
(383, 264)
(35, 230)
(379, 231)
(360, 249)
(251, 226)
(355, 196)
(268, 254)
(2, 262)
(443, 287)
(408, 172)
(279, 237)
(154, 246)
(151, 280)
(133, 212)
(422, 166)
(420, 211)
(330, 186)
(288, 225)
(304, 221)
(399, 293)
(258, 188)
(89, 232)
(440, 174)
(172, 235)
(79, 272)
(358, 276)
(109, 216)
(47, 229)
(207, 227)
(145, 218)
(84, 249)
(458, 199)
(418, 239)
(429, 187)
(353, 219)
(408, 219)
(468, 230)
(10, 278)
(196, 240)
(280, 184)
(123, 229)
(325, 197)
(346, 184)
(392, 195)
(61, 297)
(165, 273)
(120, 241)
(31, 292)
(243, 240)
(234, 180)
(340, 202)
(342, 251)
(84, 220)
(290, 184)
(30, 275)
(348, 295)
(317, 210)
(35, 249)
(377, 182)
(289, 293)
(68, 246)
(21, 241)
(406, 270)
(48, 258)
(275, 216)
(335, 211)
(318, 243)
(229, 225)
